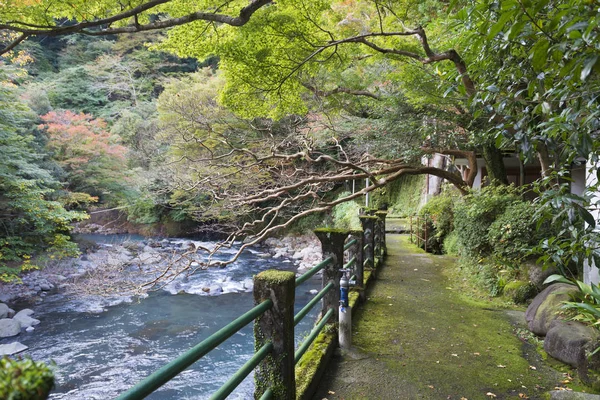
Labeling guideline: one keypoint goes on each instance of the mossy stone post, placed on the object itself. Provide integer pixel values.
(368, 224)
(381, 215)
(276, 326)
(332, 244)
(357, 251)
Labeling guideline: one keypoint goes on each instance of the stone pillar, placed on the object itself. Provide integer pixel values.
(276, 325)
(332, 244)
(360, 259)
(382, 245)
(368, 224)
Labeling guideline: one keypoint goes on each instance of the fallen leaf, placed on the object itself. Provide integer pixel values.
(454, 355)
(501, 366)
(430, 386)
(433, 329)
(331, 392)
(416, 269)
(490, 394)
(463, 398)
(523, 396)
(476, 354)
(532, 367)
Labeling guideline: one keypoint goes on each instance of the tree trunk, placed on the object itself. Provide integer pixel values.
(495, 164)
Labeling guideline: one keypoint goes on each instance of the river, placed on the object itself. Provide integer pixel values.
(99, 355)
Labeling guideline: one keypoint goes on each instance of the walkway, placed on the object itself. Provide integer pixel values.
(417, 338)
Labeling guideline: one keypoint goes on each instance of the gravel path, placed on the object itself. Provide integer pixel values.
(417, 338)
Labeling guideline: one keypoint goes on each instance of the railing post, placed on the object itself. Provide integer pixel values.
(332, 244)
(381, 215)
(276, 325)
(359, 265)
(368, 224)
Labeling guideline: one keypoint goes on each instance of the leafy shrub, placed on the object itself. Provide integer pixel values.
(24, 379)
(514, 232)
(440, 219)
(476, 212)
(450, 244)
(585, 303)
(345, 215)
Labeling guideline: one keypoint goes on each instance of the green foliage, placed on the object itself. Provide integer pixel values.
(450, 245)
(574, 240)
(476, 212)
(537, 65)
(439, 212)
(345, 215)
(514, 232)
(25, 379)
(29, 219)
(404, 195)
(585, 304)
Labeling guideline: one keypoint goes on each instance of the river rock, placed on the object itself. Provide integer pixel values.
(149, 257)
(12, 348)
(24, 318)
(9, 327)
(5, 311)
(545, 307)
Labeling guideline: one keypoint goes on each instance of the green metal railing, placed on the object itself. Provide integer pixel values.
(172, 369)
(350, 244)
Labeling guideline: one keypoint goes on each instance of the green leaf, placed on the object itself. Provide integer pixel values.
(499, 25)
(539, 54)
(588, 65)
(557, 278)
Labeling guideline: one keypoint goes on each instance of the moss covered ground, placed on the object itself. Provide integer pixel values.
(418, 337)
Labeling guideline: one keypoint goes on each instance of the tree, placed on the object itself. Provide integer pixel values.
(92, 158)
(29, 219)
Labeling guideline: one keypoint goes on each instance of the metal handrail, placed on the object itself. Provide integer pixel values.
(312, 336)
(306, 309)
(169, 371)
(303, 278)
(350, 244)
(242, 373)
(350, 263)
(267, 395)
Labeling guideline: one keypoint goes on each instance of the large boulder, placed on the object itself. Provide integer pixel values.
(24, 318)
(574, 343)
(5, 311)
(537, 274)
(12, 348)
(9, 327)
(545, 307)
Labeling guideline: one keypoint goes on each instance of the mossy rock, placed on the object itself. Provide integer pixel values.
(520, 291)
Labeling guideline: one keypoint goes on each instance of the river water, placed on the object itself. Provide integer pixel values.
(99, 355)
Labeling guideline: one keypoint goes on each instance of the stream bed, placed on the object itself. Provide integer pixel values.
(100, 354)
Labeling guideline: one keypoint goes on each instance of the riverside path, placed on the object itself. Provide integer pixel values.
(418, 338)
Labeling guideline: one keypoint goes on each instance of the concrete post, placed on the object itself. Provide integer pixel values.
(332, 244)
(360, 259)
(383, 246)
(276, 326)
(368, 224)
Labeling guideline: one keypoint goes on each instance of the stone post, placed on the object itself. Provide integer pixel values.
(382, 245)
(360, 259)
(332, 244)
(368, 224)
(276, 325)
